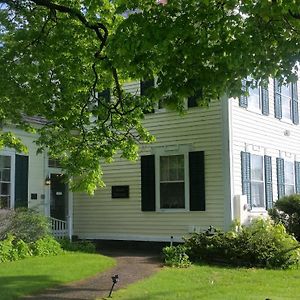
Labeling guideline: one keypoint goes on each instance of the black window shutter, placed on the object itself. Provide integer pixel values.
(268, 181)
(192, 100)
(280, 177)
(265, 100)
(148, 182)
(145, 85)
(21, 181)
(295, 111)
(105, 95)
(246, 176)
(277, 99)
(197, 181)
(243, 100)
(297, 176)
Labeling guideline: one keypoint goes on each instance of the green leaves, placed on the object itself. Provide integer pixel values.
(56, 57)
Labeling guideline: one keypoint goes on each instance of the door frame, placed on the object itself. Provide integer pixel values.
(69, 216)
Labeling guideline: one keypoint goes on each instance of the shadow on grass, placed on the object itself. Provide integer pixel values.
(13, 287)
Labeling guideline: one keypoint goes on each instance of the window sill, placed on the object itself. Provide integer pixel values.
(258, 210)
(287, 121)
(255, 111)
(172, 210)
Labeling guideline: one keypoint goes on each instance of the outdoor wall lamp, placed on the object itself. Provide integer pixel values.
(48, 180)
(115, 279)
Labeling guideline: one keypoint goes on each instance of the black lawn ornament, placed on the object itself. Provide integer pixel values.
(115, 279)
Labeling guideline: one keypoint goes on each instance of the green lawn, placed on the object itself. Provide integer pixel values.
(33, 274)
(207, 282)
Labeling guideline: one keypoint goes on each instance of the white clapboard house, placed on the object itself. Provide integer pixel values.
(35, 181)
(208, 167)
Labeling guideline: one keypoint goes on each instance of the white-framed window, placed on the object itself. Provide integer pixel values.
(6, 180)
(172, 179)
(172, 187)
(254, 99)
(286, 104)
(257, 177)
(257, 181)
(289, 177)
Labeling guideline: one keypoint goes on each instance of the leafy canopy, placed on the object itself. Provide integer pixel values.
(57, 56)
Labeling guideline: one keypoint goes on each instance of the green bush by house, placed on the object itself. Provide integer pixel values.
(287, 212)
(12, 249)
(176, 256)
(25, 224)
(261, 244)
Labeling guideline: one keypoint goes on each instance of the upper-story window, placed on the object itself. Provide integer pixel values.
(145, 90)
(286, 101)
(255, 98)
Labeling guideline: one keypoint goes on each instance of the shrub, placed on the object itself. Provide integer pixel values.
(78, 246)
(26, 225)
(12, 249)
(262, 244)
(7, 249)
(176, 256)
(287, 212)
(46, 246)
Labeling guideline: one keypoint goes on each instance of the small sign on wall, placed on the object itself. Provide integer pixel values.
(120, 191)
(33, 196)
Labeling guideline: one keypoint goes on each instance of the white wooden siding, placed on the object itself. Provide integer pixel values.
(102, 217)
(250, 128)
(36, 173)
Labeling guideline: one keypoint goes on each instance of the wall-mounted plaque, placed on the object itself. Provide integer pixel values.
(120, 191)
(33, 196)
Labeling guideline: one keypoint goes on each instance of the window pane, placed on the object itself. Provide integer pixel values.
(289, 190)
(4, 202)
(172, 168)
(53, 163)
(172, 195)
(286, 107)
(176, 167)
(5, 175)
(5, 189)
(164, 168)
(257, 194)
(253, 98)
(257, 168)
(286, 90)
(4, 161)
(289, 172)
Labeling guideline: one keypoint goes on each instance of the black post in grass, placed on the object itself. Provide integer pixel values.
(115, 279)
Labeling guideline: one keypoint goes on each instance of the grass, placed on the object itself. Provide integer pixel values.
(31, 275)
(210, 282)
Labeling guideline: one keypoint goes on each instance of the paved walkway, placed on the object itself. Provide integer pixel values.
(130, 267)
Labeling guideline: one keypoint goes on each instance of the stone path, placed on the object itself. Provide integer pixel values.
(130, 267)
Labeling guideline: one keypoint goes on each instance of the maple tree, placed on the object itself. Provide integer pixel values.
(57, 58)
